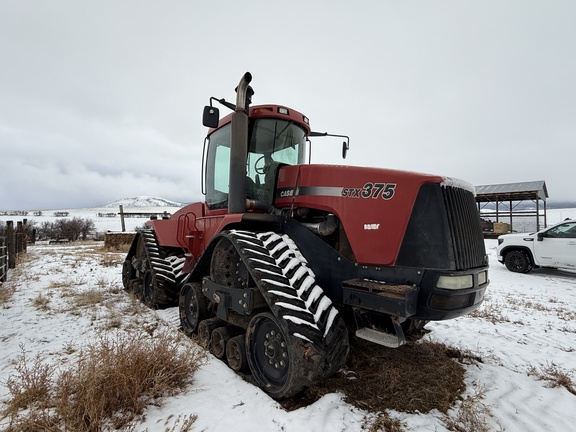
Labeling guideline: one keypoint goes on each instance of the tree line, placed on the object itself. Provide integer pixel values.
(70, 229)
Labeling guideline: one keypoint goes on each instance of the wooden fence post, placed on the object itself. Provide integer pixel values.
(122, 218)
(25, 236)
(19, 238)
(11, 245)
(3, 256)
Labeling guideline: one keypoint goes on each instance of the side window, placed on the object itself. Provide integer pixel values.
(218, 169)
(222, 169)
(567, 230)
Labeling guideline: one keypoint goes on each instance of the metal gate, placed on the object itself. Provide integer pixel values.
(3, 259)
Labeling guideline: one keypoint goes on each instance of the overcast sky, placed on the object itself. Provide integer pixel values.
(102, 100)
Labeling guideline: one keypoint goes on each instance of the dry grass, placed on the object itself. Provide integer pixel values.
(108, 386)
(382, 423)
(555, 377)
(22, 258)
(471, 415)
(187, 422)
(41, 302)
(67, 282)
(417, 377)
(6, 292)
(87, 298)
(490, 312)
(32, 385)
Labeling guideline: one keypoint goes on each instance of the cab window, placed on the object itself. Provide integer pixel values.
(273, 143)
(218, 178)
(567, 230)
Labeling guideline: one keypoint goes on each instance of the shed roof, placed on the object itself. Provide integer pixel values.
(512, 191)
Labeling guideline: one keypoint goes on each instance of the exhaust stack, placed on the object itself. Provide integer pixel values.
(239, 147)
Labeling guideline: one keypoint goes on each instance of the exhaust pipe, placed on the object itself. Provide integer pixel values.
(239, 147)
(324, 228)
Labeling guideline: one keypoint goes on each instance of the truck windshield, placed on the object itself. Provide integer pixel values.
(272, 143)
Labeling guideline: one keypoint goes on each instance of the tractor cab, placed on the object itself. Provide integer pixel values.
(277, 136)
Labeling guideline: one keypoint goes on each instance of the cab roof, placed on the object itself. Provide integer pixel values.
(271, 111)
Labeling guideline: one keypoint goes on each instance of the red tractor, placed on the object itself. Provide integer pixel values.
(284, 259)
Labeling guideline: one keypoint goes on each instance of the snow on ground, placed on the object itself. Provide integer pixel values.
(527, 324)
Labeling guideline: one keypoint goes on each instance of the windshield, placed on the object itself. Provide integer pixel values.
(272, 143)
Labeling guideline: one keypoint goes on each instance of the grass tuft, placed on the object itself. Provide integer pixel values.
(7, 290)
(41, 302)
(382, 422)
(108, 386)
(555, 377)
(471, 414)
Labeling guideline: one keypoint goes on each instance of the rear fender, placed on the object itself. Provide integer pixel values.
(248, 221)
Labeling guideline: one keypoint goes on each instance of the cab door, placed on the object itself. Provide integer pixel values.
(556, 247)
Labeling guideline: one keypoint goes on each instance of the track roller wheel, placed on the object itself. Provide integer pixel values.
(272, 358)
(236, 353)
(148, 293)
(205, 329)
(128, 273)
(219, 340)
(137, 288)
(192, 307)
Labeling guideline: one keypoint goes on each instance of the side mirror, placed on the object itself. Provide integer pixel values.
(210, 117)
(345, 148)
(540, 236)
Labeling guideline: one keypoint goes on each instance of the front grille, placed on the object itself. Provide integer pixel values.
(464, 224)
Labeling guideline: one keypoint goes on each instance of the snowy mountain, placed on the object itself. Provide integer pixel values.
(142, 201)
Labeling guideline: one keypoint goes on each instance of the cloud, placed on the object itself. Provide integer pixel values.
(100, 99)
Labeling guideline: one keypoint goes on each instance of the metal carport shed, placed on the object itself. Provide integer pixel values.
(503, 201)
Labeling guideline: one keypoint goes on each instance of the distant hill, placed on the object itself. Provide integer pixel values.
(142, 201)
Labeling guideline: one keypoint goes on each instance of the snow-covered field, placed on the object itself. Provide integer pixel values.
(105, 218)
(525, 330)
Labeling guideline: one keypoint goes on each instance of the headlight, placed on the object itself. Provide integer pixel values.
(482, 277)
(455, 282)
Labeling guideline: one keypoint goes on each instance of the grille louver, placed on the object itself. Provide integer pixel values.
(467, 238)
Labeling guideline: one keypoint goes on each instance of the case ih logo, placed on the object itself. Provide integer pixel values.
(288, 193)
(371, 190)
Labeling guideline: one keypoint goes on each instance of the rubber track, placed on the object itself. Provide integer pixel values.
(167, 270)
(289, 287)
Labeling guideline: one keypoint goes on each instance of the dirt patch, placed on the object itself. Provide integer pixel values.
(419, 376)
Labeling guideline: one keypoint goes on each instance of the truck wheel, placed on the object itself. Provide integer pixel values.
(192, 307)
(271, 356)
(517, 261)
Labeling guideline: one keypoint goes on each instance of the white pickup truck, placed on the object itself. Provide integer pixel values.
(553, 247)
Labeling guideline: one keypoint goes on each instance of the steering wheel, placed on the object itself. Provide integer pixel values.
(262, 169)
